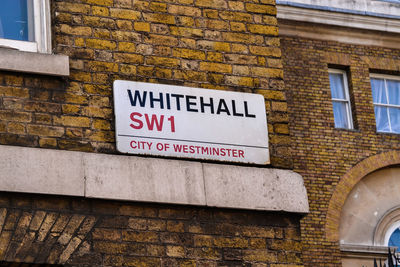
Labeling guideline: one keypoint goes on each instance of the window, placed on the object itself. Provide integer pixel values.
(340, 99)
(392, 236)
(386, 99)
(25, 25)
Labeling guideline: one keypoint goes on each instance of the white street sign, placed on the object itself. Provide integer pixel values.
(177, 121)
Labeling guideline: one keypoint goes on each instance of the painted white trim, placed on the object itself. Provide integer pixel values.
(347, 96)
(131, 178)
(390, 231)
(338, 19)
(42, 31)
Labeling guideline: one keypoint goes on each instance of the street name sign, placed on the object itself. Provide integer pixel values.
(177, 121)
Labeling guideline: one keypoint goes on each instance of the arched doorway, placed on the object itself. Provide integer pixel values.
(370, 218)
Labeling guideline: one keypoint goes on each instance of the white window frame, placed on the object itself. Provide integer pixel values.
(385, 77)
(42, 30)
(347, 96)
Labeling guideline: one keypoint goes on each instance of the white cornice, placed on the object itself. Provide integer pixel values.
(338, 19)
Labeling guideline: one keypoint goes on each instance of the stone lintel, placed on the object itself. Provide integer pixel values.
(132, 178)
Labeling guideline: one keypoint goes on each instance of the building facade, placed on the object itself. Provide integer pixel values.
(69, 198)
(341, 72)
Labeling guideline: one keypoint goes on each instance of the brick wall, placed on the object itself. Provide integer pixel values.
(228, 45)
(78, 232)
(321, 153)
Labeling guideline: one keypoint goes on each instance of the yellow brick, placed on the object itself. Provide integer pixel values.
(14, 91)
(159, 18)
(103, 66)
(145, 70)
(128, 58)
(185, 21)
(242, 81)
(266, 72)
(142, 26)
(79, 42)
(100, 11)
(100, 2)
(184, 10)
(256, 8)
(162, 61)
(126, 36)
(72, 121)
(47, 142)
(266, 51)
(212, 24)
(260, 255)
(77, 30)
(76, 99)
(128, 69)
(236, 16)
(187, 32)
(211, 13)
(100, 44)
(8, 115)
(80, 76)
(215, 67)
(175, 251)
(243, 38)
(240, 70)
(73, 7)
(238, 26)
(100, 112)
(281, 128)
(100, 124)
(274, 62)
(270, 20)
(212, 3)
(214, 56)
(279, 106)
(126, 47)
(231, 242)
(236, 5)
(43, 130)
(161, 40)
(262, 29)
(262, 61)
(215, 78)
(158, 7)
(185, 2)
(124, 13)
(101, 33)
(188, 53)
(224, 47)
(70, 109)
(16, 128)
(190, 75)
(124, 24)
(163, 73)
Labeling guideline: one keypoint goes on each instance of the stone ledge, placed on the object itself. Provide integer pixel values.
(47, 64)
(120, 177)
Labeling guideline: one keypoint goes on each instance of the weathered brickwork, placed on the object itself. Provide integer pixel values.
(321, 153)
(227, 45)
(78, 232)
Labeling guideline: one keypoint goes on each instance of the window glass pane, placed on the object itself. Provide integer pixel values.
(336, 82)
(378, 91)
(14, 20)
(394, 240)
(395, 119)
(340, 115)
(382, 121)
(393, 91)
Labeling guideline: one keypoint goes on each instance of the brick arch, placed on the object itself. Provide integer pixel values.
(346, 184)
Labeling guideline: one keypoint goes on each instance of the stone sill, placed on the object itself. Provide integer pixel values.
(120, 177)
(46, 64)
